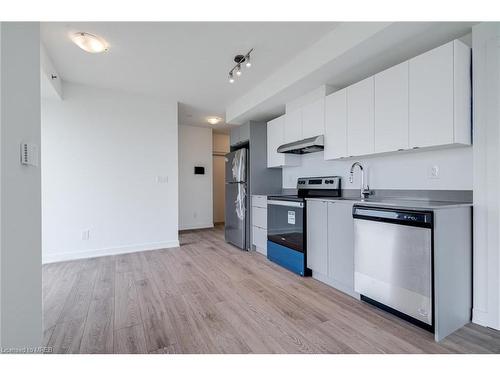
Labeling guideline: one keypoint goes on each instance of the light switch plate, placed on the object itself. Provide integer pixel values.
(162, 179)
(29, 154)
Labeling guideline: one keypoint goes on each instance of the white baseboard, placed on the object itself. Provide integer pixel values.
(482, 318)
(196, 226)
(61, 257)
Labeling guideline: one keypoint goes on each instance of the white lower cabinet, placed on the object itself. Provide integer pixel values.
(259, 239)
(317, 249)
(330, 244)
(259, 223)
(341, 246)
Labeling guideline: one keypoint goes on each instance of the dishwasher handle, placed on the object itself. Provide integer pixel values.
(423, 219)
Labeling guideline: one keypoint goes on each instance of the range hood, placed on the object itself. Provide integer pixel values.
(305, 146)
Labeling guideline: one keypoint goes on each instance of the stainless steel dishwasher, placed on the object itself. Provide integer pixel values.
(393, 261)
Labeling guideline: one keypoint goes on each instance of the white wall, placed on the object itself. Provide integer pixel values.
(195, 191)
(486, 88)
(109, 167)
(220, 148)
(20, 186)
(51, 83)
(396, 171)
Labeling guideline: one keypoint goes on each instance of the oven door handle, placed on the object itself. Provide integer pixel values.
(286, 203)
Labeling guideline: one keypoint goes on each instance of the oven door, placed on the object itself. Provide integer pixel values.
(285, 224)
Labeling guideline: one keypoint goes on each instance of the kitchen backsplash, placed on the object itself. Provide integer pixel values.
(445, 169)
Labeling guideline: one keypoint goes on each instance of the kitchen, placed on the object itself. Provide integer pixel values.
(390, 246)
(260, 187)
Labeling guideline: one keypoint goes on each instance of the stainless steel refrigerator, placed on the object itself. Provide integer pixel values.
(236, 220)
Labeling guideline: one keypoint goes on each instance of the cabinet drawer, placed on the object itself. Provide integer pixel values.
(259, 217)
(259, 239)
(259, 201)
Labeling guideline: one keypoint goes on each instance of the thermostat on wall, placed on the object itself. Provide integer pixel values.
(199, 170)
(29, 154)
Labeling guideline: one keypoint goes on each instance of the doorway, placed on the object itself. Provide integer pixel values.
(220, 149)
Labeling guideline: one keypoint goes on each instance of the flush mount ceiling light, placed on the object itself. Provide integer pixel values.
(240, 60)
(89, 42)
(214, 120)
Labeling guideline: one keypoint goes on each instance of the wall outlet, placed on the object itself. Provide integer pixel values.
(433, 172)
(162, 179)
(86, 235)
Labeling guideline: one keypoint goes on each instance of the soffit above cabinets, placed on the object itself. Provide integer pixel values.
(348, 54)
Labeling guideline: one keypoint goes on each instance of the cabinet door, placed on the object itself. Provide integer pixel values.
(259, 239)
(336, 125)
(317, 237)
(391, 109)
(431, 97)
(244, 133)
(313, 119)
(341, 244)
(462, 91)
(293, 126)
(360, 118)
(259, 217)
(274, 140)
(234, 136)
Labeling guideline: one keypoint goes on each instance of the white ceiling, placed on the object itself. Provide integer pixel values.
(183, 61)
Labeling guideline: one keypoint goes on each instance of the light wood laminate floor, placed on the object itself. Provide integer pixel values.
(210, 297)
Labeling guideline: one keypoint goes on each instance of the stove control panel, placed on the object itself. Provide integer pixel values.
(329, 182)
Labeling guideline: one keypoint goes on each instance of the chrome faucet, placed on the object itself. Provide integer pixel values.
(364, 192)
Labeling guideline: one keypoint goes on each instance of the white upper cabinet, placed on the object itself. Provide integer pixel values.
(423, 102)
(360, 118)
(391, 109)
(275, 135)
(439, 89)
(275, 138)
(293, 126)
(431, 92)
(313, 118)
(336, 125)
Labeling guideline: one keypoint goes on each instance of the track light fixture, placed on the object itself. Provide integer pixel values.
(248, 63)
(239, 60)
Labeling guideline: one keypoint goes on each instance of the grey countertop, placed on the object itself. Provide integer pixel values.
(279, 192)
(417, 204)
